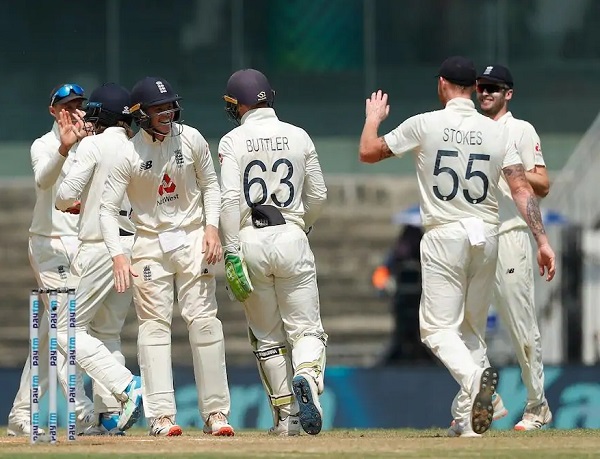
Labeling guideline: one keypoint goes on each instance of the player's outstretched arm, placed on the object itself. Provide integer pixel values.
(529, 208)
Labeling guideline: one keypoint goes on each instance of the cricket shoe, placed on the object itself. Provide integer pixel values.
(106, 425)
(286, 427)
(462, 429)
(217, 425)
(535, 418)
(500, 410)
(20, 428)
(164, 426)
(84, 421)
(311, 413)
(131, 402)
(484, 388)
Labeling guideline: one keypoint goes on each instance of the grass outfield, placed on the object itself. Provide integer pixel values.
(364, 443)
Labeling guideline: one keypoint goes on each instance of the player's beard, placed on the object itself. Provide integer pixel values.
(491, 110)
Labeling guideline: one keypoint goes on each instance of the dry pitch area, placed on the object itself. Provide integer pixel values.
(331, 444)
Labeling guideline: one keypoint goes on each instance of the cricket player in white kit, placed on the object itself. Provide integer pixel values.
(169, 177)
(101, 311)
(459, 155)
(272, 193)
(52, 246)
(514, 290)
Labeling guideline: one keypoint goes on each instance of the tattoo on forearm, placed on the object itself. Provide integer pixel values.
(534, 216)
(385, 150)
(525, 199)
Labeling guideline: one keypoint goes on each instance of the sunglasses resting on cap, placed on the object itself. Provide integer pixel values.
(66, 90)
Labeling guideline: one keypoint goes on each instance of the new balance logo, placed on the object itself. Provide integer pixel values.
(179, 158)
(161, 87)
(510, 271)
(147, 273)
(146, 165)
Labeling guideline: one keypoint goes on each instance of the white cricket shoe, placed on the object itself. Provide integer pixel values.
(482, 411)
(307, 396)
(84, 421)
(535, 418)
(500, 410)
(20, 428)
(164, 426)
(462, 429)
(217, 425)
(286, 427)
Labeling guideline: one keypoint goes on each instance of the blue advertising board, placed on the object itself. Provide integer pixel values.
(393, 397)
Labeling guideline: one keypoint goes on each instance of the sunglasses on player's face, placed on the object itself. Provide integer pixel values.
(490, 88)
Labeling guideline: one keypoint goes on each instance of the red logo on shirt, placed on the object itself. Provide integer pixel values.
(538, 147)
(166, 186)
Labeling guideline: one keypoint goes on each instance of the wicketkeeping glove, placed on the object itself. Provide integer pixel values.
(237, 276)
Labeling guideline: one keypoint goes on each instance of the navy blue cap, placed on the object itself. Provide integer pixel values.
(458, 70)
(497, 74)
(249, 87)
(113, 97)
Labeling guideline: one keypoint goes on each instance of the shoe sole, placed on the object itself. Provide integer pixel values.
(482, 413)
(223, 432)
(310, 418)
(135, 416)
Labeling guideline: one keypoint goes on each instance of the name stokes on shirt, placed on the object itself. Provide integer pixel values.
(462, 137)
(267, 144)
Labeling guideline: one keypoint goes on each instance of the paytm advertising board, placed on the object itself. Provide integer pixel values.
(393, 397)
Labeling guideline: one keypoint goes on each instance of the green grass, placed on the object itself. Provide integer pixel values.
(363, 443)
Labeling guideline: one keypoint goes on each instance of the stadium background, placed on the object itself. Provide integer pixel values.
(323, 58)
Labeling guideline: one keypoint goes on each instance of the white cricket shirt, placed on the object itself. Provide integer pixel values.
(528, 145)
(170, 184)
(96, 156)
(267, 161)
(459, 155)
(49, 169)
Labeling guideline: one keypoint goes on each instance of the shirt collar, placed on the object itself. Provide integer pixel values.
(259, 114)
(504, 118)
(460, 104)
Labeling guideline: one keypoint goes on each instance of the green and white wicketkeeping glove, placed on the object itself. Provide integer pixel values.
(237, 276)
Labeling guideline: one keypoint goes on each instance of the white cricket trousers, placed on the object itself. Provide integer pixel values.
(284, 307)
(458, 282)
(50, 258)
(514, 301)
(182, 272)
(100, 315)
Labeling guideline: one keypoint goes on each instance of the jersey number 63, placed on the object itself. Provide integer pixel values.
(258, 181)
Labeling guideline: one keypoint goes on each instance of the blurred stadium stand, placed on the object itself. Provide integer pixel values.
(323, 57)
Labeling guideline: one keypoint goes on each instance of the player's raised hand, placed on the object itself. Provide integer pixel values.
(68, 136)
(211, 245)
(546, 261)
(377, 107)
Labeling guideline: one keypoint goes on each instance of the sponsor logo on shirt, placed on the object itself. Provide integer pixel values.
(166, 190)
(145, 165)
